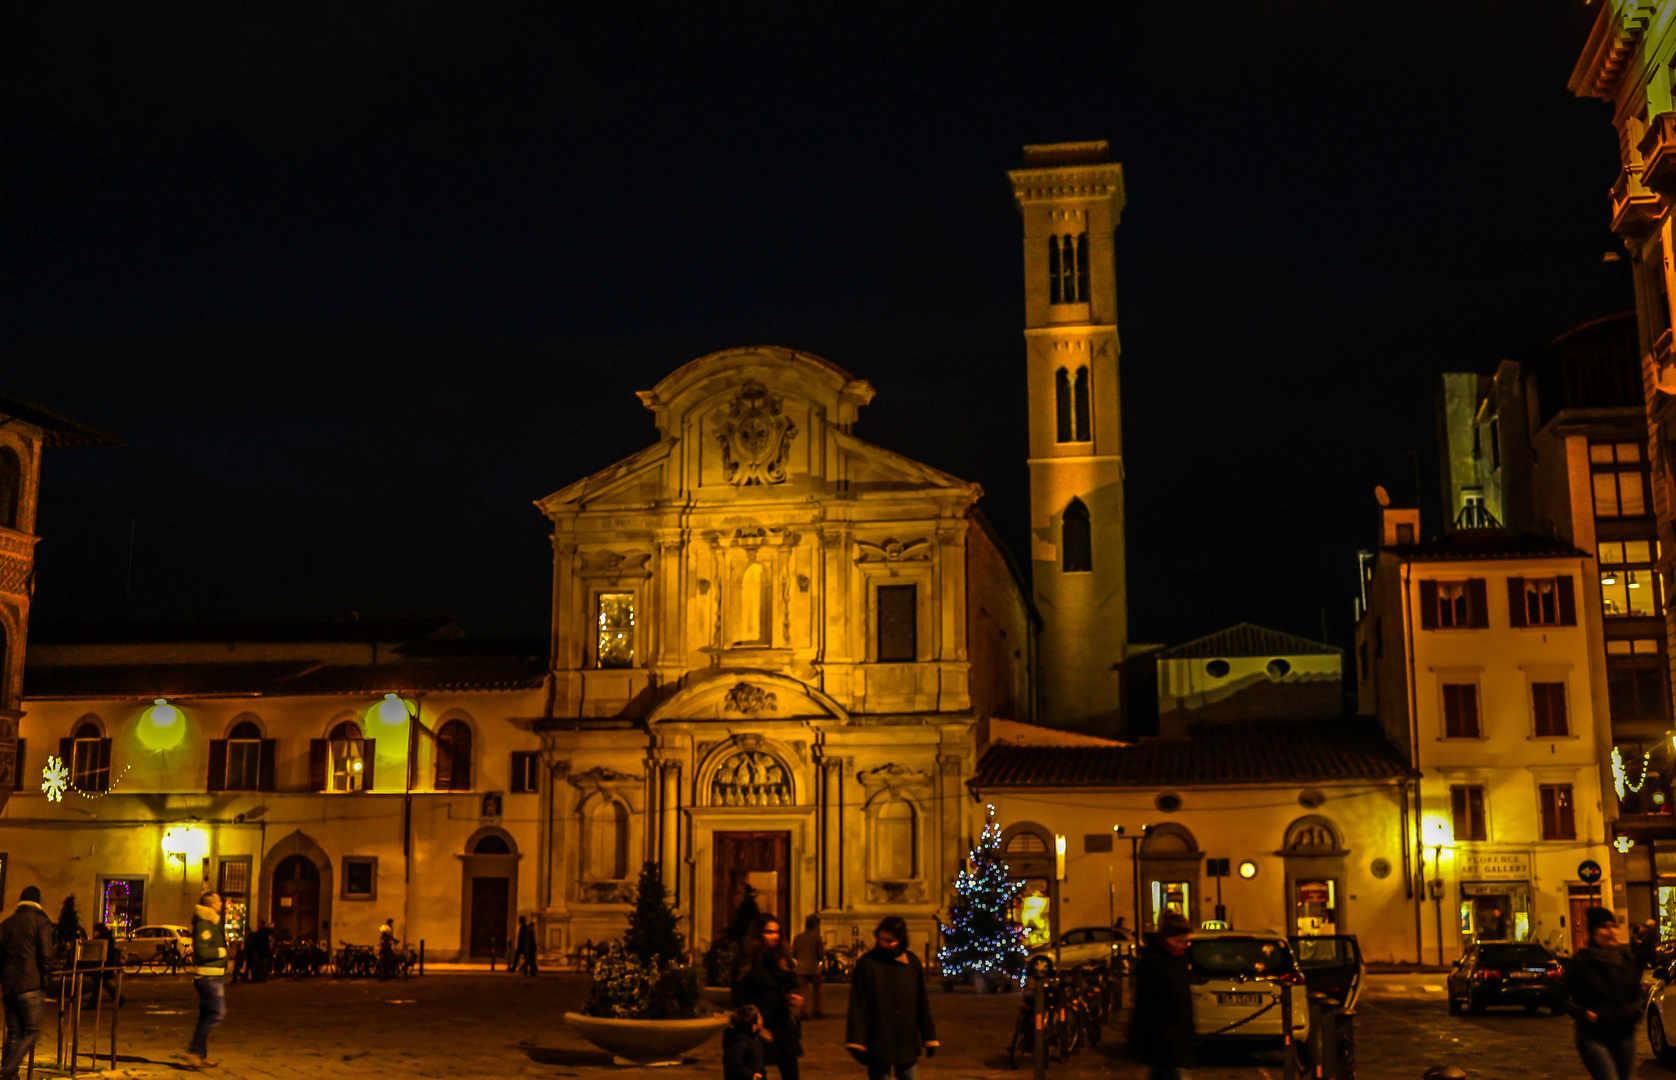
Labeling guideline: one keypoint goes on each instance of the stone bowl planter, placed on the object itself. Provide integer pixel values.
(646, 1042)
(719, 997)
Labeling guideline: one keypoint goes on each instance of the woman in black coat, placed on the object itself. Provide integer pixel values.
(767, 979)
(890, 1013)
(1603, 995)
(1161, 1031)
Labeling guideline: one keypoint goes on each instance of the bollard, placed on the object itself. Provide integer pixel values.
(1326, 1043)
(421, 956)
(1289, 1051)
(1039, 1046)
(1346, 1058)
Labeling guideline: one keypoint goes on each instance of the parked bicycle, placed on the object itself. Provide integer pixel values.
(168, 960)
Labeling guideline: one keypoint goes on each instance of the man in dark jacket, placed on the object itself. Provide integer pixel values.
(1602, 988)
(1161, 1031)
(890, 1012)
(209, 970)
(25, 964)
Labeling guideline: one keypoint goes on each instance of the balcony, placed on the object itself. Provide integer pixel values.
(1635, 209)
(1658, 154)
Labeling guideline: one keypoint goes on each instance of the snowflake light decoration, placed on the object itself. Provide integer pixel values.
(55, 779)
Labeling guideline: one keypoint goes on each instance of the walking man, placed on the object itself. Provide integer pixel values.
(25, 964)
(808, 952)
(526, 947)
(890, 1013)
(1161, 1029)
(1602, 987)
(209, 970)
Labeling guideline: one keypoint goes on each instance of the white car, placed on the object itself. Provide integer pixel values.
(1237, 981)
(146, 941)
(1082, 945)
(1659, 998)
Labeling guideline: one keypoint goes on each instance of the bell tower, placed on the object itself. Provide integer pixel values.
(1071, 196)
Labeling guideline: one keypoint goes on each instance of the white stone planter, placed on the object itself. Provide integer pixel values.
(646, 1042)
(719, 997)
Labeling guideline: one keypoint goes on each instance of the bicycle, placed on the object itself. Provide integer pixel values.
(168, 960)
(1057, 1040)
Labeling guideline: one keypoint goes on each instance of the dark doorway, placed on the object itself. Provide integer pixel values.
(296, 899)
(758, 861)
(488, 915)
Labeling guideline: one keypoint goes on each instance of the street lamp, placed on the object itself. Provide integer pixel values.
(1135, 866)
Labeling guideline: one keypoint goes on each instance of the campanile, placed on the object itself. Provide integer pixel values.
(1071, 196)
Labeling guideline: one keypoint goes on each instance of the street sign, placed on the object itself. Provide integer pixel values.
(1216, 867)
(1589, 871)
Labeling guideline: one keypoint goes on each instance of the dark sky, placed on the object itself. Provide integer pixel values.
(358, 281)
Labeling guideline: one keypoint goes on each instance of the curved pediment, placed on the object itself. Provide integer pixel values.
(747, 695)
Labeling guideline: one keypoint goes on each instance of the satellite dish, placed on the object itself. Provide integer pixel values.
(1380, 494)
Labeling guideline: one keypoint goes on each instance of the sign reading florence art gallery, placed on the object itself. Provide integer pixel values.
(1493, 865)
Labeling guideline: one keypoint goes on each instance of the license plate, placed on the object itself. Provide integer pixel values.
(1526, 976)
(1242, 999)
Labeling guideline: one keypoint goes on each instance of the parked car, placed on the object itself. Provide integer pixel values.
(1081, 945)
(1331, 965)
(1505, 973)
(1237, 981)
(145, 941)
(1657, 1026)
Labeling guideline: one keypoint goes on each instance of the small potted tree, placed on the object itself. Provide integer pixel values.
(646, 1005)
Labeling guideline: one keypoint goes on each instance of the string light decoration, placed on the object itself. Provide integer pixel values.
(1620, 775)
(981, 936)
(55, 781)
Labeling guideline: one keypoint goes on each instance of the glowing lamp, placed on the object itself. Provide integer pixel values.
(1059, 857)
(1623, 844)
(1438, 830)
(1609, 578)
(161, 727)
(189, 843)
(1248, 870)
(393, 710)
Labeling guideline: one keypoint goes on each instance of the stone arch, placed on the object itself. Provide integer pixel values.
(344, 716)
(297, 843)
(1312, 850)
(245, 718)
(1170, 872)
(473, 743)
(747, 768)
(737, 694)
(1169, 840)
(1029, 851)
(488, 894)
(89, 718)
(1312, 834)
(895, 839)
(491, 830)
(604, 822)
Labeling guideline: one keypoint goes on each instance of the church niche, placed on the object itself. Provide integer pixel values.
(750, 778)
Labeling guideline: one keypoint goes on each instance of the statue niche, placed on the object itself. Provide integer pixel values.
(755, 437)
(750, 778)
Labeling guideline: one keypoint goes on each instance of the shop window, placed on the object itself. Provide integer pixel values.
(606, 849)
(88, 753)
(453, 756)
(1559, 822)
(1453, 605)
(1619, 476)
(122, 904)
(233, 883)
(1548, 712)
(895, 840)
(898, 618)
(526, 772)
(360, 877)
(1629, 584)
(614, 615)
(1460, 711)
(1466, 803)
(1033, 909)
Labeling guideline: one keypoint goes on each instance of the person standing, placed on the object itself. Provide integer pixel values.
(25, 965)
(526, 948)
(1161, 1031)
(808, 952)
(766, 980)
(209, 970)
(110, 958)
(742, 1047)
(1602, 988)
(889, 1021)
(261, 951)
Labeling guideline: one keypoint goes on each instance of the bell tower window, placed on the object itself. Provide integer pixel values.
(1062, 403)
(1080, 404)
(1068, 269)
(1075, 542)
(1055, 290)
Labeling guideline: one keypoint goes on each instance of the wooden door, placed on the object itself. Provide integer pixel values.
(488, 916)
(760, 861)
(295, 909)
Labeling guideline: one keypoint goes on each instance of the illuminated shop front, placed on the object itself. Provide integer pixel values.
(1030, 851)
(1495, 895)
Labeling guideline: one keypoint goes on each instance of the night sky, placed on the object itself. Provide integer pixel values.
(357, 282)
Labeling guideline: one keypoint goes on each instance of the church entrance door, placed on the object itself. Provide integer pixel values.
(751, 863)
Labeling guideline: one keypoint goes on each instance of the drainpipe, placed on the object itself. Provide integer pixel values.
(1419, 867)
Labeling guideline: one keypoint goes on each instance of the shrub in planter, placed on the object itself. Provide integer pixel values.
(642, 977)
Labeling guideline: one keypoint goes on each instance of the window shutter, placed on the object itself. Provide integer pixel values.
(1478, 615)
(1568, 600)
(1539, 707)
(317, 750)
(444, 780)
(1568, 821)
(67, 753)
(218, 765)
(1428, 605)
(368, 756)
(517, 785)
(460, 775)
(104, 778)
(1556, 709)
(18, 764)
(1516, 601)
(265, 766)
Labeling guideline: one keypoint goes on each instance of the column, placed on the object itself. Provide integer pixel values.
(832, 830)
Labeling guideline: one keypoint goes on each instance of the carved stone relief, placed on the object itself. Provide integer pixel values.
(750, 778)
(750, 700)
(615, 564)
(893, 550)
(755, 437)
(893, 776)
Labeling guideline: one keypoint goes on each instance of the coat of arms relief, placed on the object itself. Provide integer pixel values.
(755, 437)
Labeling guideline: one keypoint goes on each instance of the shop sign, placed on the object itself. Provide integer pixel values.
(1313, 892)
(1493, 865)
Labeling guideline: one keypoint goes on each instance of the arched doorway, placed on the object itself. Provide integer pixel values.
(270, 906)
(1314, 857)
(488, 893)
(296, 899)
(1170, 862)
(1030, 854)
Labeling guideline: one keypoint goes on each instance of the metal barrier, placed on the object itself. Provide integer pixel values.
(71, 983)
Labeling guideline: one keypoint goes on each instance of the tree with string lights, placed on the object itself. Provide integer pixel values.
(981, 936)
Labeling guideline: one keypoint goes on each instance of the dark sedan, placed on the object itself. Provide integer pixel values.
(1505, 973)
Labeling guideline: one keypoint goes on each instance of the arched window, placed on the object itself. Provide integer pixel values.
(244, 757)
(1082, 266)
(1054, 296)
(11, 487)
(349, 758)
(605, 853)
(491, 845)
(1080, 404)
(894, 840)
(453, 756)
(1076, 546)
(750, 605)
(88, 753)
(1025, 843)
(1062, 403)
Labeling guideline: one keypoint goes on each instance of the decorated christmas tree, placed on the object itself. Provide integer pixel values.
(981, 936)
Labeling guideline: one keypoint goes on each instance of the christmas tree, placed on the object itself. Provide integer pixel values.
(981, 937)
(652, 936)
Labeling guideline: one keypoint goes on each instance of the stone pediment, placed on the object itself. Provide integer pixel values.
(733, 695)
(637, 480)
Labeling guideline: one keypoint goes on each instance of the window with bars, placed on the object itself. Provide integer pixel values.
(1619, 477)
(1548, 710)
(1460, 711)
(1466, 803)
(1068, 268)
(1073, 413)
(898, 622)
(1558, 820)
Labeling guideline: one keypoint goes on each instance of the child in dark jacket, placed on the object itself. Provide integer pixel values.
(742, 1046)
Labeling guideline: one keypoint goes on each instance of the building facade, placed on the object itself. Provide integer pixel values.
(1071, 197)
(1475, 655)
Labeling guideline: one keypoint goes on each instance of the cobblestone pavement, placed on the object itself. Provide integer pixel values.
(482, 1025)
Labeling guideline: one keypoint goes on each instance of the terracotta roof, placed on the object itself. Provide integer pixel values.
(1248, 639)
(287, 678)
(1267, 752)
(57, 429)
(1486, 544)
